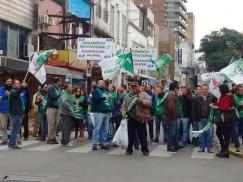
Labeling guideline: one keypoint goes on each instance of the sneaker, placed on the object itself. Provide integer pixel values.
(146, 153)
(237, 150)
(4, 143)
(94, 147)
(69, 145)
(201, 150)
(14, 147)
(103, 147)
(171, 150)
(128, 152)
(55, 141)
(51, 142)
(156, 140)
(210, 150)
(19, 142)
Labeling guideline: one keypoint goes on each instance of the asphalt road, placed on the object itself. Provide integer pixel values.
(37, 161)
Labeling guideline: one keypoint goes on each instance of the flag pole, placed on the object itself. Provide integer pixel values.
(26, 75)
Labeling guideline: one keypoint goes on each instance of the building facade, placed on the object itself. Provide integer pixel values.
(16, 24)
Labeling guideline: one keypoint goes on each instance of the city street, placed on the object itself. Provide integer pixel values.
(41, 162)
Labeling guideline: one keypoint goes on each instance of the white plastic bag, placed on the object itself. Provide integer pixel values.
(121, 136)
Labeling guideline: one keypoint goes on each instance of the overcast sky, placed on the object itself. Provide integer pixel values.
(214, 14)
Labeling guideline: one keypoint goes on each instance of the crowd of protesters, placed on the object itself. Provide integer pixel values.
(175, 110)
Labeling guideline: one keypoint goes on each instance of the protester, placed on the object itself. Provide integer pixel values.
(36, 122)
(238, 125)
(171, 118)
(159, 113)
(79, 102)
(17, 111)
(41, 101)
(26, 99)
(68, 113)
(223, 131)
(151, 123)
(101, 110)
(137, 107)
(186, 101)
(4, 109)
(52, 112)
(201, 114)
(117, 115)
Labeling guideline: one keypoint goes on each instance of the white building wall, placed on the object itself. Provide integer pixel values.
(19, 12)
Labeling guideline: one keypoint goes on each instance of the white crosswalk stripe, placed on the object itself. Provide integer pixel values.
(117, 151)
(155, 150)
(201, 155)
(82, 149)
(160, 151)
(24, 144)
(44, 148)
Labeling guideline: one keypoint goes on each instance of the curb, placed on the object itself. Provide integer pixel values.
(237, 154)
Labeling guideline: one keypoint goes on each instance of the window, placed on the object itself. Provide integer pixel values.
(124, 31)
(4, 38)
(23, 39)
(112, 20)
(13, 42)
(118, 27)
(98, 9)
(105, 15)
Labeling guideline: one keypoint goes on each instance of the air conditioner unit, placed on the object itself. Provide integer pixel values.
(43, 19)
(51, 21)
(28, 50)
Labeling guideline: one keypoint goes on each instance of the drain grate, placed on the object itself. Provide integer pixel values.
(24, 178)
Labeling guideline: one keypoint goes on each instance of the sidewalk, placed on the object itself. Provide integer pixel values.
(233, 152)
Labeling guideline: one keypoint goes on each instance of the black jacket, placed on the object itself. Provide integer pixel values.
(196, 106)
(186, 102)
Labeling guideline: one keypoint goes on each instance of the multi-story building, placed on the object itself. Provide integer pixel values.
(176, 18)
(16, 24)
(190, 27)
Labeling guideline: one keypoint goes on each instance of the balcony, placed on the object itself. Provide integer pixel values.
(180, 2)
(177, 20)
(177, 10)
(181, 33)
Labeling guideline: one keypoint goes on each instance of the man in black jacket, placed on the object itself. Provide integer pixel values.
(200, 112)
(16, 110)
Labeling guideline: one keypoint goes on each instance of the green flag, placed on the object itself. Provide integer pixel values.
(42, 58)
(160, 64)
(125, 62)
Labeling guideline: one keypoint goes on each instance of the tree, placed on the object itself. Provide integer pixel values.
(219, 47)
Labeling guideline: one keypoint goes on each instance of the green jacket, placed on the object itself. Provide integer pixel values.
(239, 99)
(42, 104)
(112, 99)
(78, 106)
(159, 105)
(179, 106)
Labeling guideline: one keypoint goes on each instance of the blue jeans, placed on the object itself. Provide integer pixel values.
(172, 141)
(237, 131)
(101, 122)
(158, 121)
(206, 138)
(43, 125)
(185, 128)
(16, 126)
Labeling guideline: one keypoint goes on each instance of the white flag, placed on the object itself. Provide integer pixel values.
(216, 80)
(40, 74)
(109, 68)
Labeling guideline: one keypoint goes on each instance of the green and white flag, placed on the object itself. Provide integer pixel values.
(164, 60)
(125, 62)
(111, 67)
(234, 72)
(38, 71)
(44, 56)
